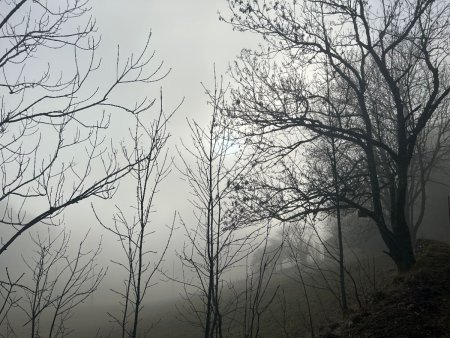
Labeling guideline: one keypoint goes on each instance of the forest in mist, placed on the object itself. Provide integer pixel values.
(272, 198)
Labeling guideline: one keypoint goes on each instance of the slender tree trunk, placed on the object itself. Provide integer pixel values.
(339, 225)
(127, 297)
(138, 286)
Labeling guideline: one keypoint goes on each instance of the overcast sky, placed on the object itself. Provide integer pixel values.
(186, 35)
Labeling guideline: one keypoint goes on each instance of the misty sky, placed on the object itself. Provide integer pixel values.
(186, 35)
(189, 38)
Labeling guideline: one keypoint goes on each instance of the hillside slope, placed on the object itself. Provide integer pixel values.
(416, 304)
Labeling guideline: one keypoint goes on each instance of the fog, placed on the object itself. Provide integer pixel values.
(192, 45)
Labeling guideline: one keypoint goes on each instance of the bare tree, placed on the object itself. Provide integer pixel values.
(51, 109)
(59, 281)
(399, 49)
(149, 144)
(10, 298)
(214, 246)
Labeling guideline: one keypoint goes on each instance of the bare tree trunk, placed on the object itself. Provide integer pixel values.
(339, 226)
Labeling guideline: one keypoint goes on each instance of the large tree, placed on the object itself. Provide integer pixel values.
(378, 69)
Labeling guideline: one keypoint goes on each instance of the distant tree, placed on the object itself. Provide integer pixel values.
(142, 259)
(429, 164)
(52, 150)
(357, 51)
(259, 290)
(299, 247)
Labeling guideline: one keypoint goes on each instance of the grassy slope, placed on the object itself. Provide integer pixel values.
(415, 304)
